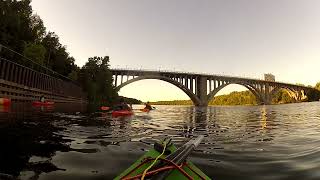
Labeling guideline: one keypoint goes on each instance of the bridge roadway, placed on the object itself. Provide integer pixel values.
(201, 88)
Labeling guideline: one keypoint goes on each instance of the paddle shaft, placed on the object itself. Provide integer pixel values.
(180, 156)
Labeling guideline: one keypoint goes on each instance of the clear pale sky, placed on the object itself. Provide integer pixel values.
(234, 37)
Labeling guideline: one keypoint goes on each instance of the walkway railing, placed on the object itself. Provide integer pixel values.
(6, 53)
(23, 73)
(16, 73)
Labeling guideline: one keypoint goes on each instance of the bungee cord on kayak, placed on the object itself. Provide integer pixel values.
(173, 166)
(146, 170)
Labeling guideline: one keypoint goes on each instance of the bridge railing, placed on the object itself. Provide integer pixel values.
(182, 72)
(198, 73)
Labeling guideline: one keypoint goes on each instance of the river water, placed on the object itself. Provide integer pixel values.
(241, 142)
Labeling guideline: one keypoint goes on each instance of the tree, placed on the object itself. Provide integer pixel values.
(24, 32)
(73, 75)
(317, 86)
(314, 94)
(51, 43)
(37, 28)
(96, 78)
(35, 52)
(15, 29)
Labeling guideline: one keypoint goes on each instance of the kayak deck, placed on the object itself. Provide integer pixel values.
(137, 168)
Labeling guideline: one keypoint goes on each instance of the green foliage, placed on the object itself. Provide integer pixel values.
(174, 102)
(131, 100)
(73, 75)
(36, 52)
(235, 98)
(24, 32)
(96, 79)
(314, 94)
(317, 86)
(18, 26)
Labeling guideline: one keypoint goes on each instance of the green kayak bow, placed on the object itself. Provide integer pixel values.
(165, 161)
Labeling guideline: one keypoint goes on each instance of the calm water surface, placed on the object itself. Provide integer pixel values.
(241, 142)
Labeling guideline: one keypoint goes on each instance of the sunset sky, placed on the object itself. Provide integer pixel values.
(232, 37)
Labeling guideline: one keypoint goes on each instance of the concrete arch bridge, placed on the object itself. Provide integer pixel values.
(201, 88)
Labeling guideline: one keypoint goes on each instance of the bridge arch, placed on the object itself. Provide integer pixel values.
(251, 88)
(192, 96)
(291, 92)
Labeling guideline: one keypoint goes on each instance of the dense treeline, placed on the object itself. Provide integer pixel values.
(24, 32)
(174, 102)
(131, 100)
(234, 98)
(247, 98)
(314, 95)
(23, 37)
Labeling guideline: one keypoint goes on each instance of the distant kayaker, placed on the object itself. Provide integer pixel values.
(148, 106)
(42, 98)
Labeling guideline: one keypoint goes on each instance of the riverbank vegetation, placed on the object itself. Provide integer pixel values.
(174, 102)
(235, 98)
(23, 32)
(25, 40)
(247, 98)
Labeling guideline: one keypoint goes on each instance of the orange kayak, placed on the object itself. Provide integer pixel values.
(46, 103)
(145, 110)
(5, 101)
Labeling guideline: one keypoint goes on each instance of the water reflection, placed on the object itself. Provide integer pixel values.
(263, 117)
(23, 139)
(241, 142)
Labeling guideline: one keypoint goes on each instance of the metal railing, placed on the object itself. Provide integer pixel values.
(26, 72)
(18, 58)
(202, 73)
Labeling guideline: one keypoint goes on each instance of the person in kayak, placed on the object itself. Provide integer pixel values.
(148, 106)
(121, 106)
(42, 99)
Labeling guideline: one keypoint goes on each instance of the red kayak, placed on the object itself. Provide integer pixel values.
(5, 101)
(46, 103)
(122, 113)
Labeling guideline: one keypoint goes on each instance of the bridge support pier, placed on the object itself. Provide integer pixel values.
(265, 93)
(202, 91)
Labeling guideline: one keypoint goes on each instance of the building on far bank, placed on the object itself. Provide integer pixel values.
(269, 77)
